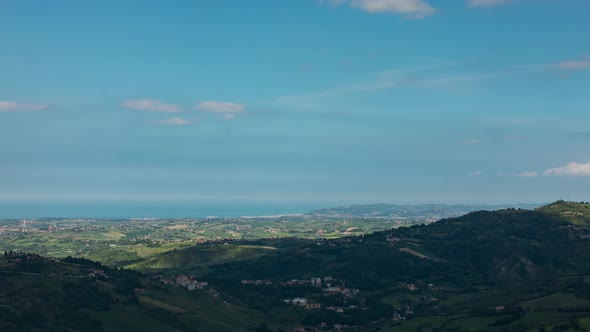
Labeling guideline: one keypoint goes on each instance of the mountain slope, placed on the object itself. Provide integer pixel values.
(505, 259)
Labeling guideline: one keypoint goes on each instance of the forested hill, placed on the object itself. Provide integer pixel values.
(535, 263)
(507, 245)
(505, 270)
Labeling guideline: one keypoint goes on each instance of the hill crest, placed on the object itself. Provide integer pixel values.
(574, 212)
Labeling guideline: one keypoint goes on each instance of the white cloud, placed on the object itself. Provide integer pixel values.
(481, 3)
(152, 105)
(409, 8)
(220, 107)
(475, 173)
(472, 142)
(11, 106)
(571, 169)
(528, 174)
(174, 122)
(574, 64)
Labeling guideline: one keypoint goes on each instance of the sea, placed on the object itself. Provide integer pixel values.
(148, 210)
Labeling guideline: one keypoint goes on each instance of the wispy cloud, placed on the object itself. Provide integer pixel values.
(519, 121)
(528, 174)
(152, 105)
(571, 169)
(432, 64)
(427, 76)
(220, 107)
(11, 106)
(483, 3)
(174, 122)
(475, 173)
(384, 80)
(307, 99)
(574, 65)
(446, 80)
(409, 8)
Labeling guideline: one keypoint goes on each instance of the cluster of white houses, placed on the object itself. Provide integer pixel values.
(187, 281)
(302, 302)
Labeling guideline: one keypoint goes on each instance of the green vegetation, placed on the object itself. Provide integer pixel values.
(199, 257)
(129, 242)
(40, 294)
(575, 212)
(507, 270)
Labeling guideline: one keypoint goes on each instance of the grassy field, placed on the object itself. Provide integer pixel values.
(127, 242)
(197, 258)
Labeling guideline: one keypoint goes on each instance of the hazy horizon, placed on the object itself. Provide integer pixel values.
(185, 210)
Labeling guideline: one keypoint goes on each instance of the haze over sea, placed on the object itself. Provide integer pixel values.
(127, 210)
(146, 210)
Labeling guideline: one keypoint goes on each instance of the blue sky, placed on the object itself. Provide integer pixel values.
(301, 102)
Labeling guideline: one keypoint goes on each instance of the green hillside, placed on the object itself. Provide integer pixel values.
(575, 212)
(507, 270)
(40, 294)
(200, 256)
(463, 268)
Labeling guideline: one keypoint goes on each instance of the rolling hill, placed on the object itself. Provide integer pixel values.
(505, 270)
(508, 259)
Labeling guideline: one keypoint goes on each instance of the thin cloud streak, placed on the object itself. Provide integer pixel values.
(383, 80)
(174, 122)
(220, 107)
(412, 9)
(11, 106)
(391, 79)
(574, 65)
(486, 3)
(152, 105)
(528, 174)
